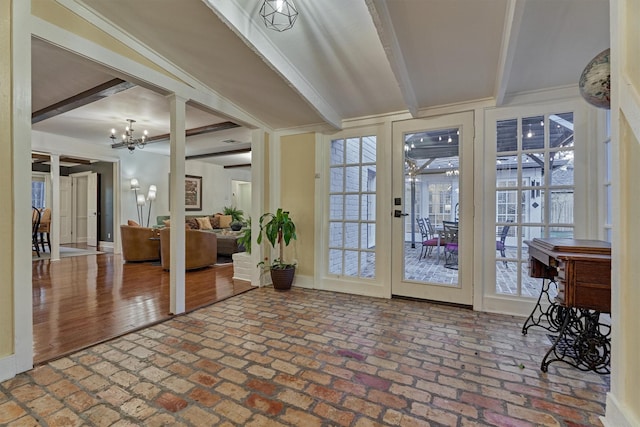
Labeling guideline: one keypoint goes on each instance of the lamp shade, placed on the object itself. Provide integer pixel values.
(134, 184)
(140, 200)
(151, 195)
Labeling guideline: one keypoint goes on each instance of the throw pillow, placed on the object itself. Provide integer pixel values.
(132, 223)
(215, 221)
(225, 221)
(191, 223)
(167, 222)
(204, 223)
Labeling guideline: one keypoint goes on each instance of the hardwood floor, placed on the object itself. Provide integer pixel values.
(84, 300)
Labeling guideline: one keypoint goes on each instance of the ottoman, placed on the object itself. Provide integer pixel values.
(227, 244)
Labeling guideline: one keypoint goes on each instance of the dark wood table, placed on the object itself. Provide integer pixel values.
(581, 271)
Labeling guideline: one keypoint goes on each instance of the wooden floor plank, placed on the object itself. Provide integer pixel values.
(84, 300)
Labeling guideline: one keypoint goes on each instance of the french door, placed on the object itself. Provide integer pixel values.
(432, 224)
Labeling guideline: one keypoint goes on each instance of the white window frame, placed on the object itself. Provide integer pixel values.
(380, 285)
(583, 197)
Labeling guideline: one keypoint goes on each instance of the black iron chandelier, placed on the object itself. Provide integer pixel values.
(128, 139)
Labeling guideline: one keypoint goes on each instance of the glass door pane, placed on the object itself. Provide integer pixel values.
(432, 189)
(534, 193)
(432, 243)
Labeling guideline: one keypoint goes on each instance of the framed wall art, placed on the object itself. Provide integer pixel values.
(193, 193)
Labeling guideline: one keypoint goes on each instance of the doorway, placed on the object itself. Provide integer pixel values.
(432, 228)
(84, 210)
(241, 196)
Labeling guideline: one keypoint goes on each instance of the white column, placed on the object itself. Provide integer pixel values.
(55, 207)
(21, 107)
(177, 170)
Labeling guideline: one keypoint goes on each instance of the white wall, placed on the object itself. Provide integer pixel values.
(149, 168)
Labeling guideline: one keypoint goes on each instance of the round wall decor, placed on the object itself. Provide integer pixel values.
(595, 81)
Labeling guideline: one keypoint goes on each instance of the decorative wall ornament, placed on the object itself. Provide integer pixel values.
(595, 81)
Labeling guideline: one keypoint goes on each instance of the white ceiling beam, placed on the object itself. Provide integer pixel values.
(382, 21)
(254, 36)
(512, 26)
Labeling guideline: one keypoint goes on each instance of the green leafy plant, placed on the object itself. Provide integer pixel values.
(277, 228)
(237, 215)
(244, 238)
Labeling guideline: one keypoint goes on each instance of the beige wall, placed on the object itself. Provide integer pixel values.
(633, 42)
(6, 184)
(629, 291)
(267, 193)
(297, 193)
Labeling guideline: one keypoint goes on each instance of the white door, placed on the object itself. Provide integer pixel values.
(433, 181)
(92, 209)
(65, 210)
(79, 209)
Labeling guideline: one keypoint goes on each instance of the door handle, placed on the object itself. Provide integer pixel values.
(398, 213)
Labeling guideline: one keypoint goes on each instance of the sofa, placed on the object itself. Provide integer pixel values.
(227, 240)
(201, 249)
(217, 221)
(139, 243)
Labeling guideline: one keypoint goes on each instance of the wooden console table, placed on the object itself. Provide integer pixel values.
(581, 271)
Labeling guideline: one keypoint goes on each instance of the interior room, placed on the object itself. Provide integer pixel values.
(459, 174)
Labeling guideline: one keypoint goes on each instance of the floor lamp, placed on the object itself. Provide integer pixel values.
(135, 185)
(151, 196)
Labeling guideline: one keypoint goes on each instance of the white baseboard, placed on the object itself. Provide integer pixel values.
(306, 282)
(617, 415)
(102, 244)
(7, 367)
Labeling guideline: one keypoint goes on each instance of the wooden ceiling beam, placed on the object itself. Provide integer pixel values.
(244, 165)
(189, 132)
(83, 98)
(218, 154)
(42, 158)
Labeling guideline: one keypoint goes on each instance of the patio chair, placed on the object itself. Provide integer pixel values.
(429, 238)
(450, 237)
(500, 245)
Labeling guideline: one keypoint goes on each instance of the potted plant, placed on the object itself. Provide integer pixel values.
(244, 238)
(278, 228)
(237, 215)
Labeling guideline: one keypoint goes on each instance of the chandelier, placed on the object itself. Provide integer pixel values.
(128, 139)
(279, 15)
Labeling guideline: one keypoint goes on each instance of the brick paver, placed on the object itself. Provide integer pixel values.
(305, 358)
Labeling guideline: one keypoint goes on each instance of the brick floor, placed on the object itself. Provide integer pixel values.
(311, 358)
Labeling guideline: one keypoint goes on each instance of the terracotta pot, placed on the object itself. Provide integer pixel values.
(282, 278)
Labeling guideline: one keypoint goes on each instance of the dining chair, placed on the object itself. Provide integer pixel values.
(35, 225)
(44, 230)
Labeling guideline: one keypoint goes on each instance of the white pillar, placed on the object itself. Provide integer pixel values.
(177, 234)
(55, 207)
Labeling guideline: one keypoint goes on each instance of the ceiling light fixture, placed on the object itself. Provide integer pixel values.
(279, 15)
(128, 139)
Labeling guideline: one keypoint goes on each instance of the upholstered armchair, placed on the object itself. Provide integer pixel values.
(201, 248)
(139, 243)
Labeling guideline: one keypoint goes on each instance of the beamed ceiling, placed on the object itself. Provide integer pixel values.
(343, 59)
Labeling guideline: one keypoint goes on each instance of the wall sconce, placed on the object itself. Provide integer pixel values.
(151, 196)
